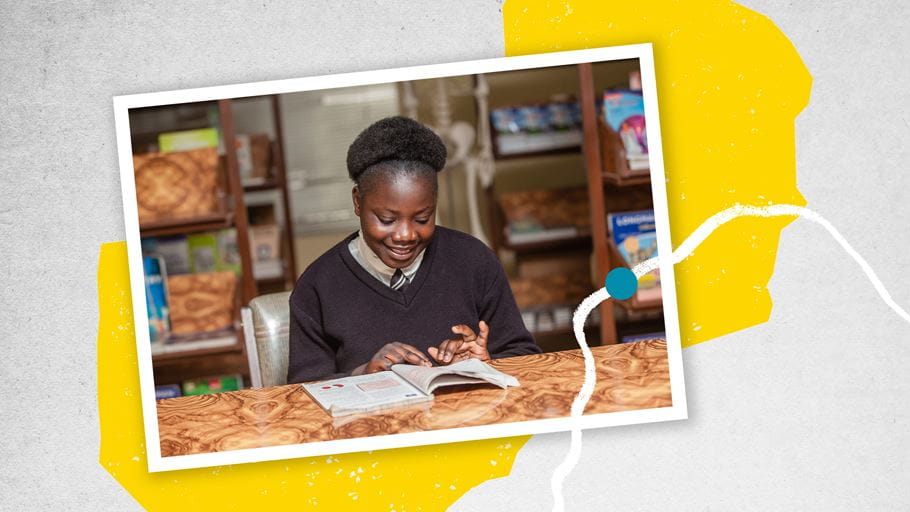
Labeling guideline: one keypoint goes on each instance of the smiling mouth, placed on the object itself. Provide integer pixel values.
(401, 253)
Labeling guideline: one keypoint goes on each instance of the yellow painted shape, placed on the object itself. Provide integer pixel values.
(730, 86)
(407, 479)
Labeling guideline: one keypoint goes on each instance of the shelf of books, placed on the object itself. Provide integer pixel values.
(204, 248)
(207, 222)
(539, 205)
(268, 203)
(619, 192)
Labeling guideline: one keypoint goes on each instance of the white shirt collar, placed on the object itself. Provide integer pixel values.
(372, 264)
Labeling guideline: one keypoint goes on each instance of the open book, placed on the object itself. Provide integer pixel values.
(404, 384)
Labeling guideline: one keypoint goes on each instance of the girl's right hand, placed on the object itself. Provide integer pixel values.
(393, 353)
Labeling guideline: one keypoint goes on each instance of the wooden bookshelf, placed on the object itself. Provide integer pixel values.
(175, 362)
(281, 183)
(192, 366)
(268, 184)
(189, 225)
(241, 221)
(532, 154)
(612, 187)
(276, 180)
(235, 347)
(619, 181)
(551, 169)
(580, 241)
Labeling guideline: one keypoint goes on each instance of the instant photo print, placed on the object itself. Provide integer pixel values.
(523, 183)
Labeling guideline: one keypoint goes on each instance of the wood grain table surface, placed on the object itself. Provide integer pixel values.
(629, 376)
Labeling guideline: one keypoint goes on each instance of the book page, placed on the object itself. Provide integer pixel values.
(363, 393)
(469, 371)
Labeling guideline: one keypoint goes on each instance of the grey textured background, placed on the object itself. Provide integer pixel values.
(808, 411)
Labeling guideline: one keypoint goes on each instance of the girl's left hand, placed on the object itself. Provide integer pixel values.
(468, 346)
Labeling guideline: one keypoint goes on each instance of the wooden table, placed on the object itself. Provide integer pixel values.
(629, 376)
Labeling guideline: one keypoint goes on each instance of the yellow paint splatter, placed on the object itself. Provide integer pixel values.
(730, 86)
(408, 479)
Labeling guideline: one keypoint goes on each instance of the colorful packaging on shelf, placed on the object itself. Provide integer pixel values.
(635, 237)
(560, 115)
(173, 249)
(156, 298)
(624, 112)
(228, 254)
(203, 252)
(167, 391)
(533, 119)
(632, 338)
(575, 114)
(505, 120)
(214, 251)
(212, 385)
(188, 140)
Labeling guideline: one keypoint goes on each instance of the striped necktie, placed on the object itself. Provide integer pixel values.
(399, 281)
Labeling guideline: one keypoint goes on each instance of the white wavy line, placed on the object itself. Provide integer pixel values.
(681, 253)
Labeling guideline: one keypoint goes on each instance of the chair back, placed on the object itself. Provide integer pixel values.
(266, 327)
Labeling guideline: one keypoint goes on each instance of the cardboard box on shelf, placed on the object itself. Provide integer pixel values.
(265, 242)
(253, 157)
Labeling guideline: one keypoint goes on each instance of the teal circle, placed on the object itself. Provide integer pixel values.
(621, 283)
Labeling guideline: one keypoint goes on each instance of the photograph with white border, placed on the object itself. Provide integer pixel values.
(397, 257)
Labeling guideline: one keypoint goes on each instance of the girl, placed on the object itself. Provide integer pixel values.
(396, 291)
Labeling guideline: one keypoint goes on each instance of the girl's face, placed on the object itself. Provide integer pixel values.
(397, 217)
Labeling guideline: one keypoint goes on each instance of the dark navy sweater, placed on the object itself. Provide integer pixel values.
(341, 315)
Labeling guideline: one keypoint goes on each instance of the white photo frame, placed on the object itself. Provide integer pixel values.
(122, 106)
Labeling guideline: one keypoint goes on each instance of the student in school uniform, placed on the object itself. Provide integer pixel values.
(401, 289)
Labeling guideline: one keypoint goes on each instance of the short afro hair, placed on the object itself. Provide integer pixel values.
(395, 139)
